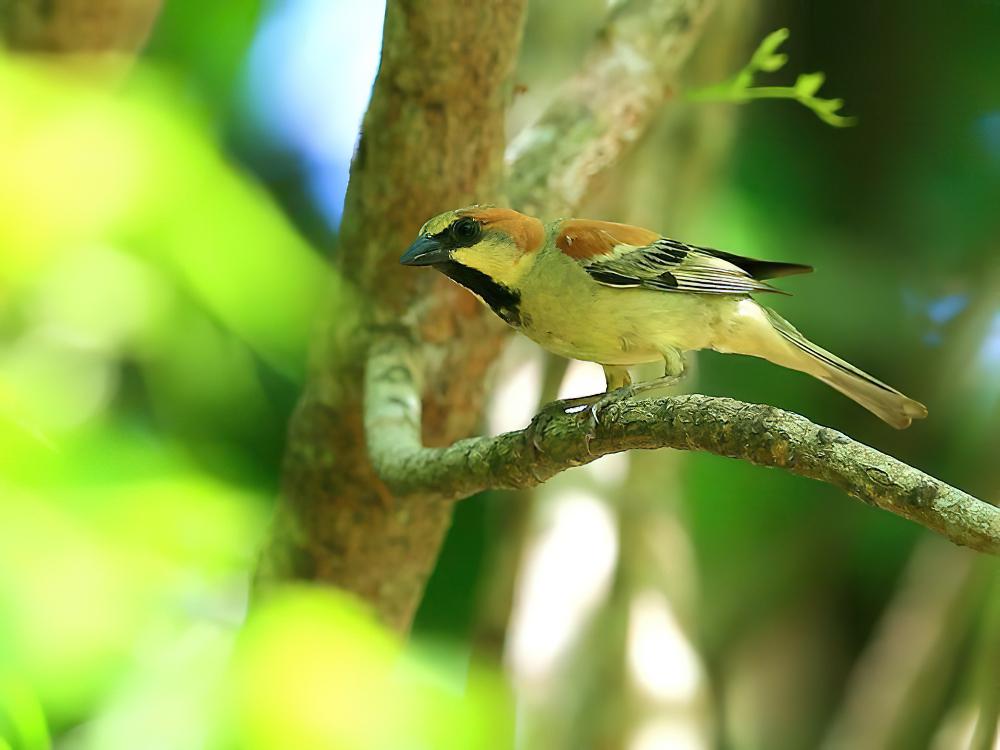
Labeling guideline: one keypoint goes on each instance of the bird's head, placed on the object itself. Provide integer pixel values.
(497, 242)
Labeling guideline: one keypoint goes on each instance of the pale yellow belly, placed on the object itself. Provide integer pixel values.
(624, 326)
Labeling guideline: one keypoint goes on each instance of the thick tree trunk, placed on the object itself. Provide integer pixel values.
(433, 139)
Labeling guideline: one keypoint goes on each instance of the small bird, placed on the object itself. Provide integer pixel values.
(621, 295)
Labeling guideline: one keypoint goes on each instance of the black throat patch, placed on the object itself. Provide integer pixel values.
(503, 300)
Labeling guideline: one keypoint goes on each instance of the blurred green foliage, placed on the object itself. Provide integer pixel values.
(150, 297)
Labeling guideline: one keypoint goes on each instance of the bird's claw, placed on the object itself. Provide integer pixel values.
(594, 411)
(549, 412)
(536, 428)
(592, 406)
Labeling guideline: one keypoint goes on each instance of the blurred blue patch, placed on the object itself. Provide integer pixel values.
(309, 80)
(945, 308)
(935, 313)
(987, 130)
(989, 350)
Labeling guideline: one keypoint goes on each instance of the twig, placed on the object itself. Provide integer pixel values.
(762, 435)
(740, 88)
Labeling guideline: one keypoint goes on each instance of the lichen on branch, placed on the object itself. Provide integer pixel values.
(603, 110)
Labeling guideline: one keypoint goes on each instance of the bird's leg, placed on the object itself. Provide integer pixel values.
(616, 378)
(619, 387)
(673, 371)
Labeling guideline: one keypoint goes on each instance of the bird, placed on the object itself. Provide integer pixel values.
(621, 295)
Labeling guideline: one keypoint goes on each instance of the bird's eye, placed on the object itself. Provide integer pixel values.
(466, 230)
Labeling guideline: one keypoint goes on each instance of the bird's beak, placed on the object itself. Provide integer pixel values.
(425, 252)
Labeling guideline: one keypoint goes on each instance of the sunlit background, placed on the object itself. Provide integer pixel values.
(162, 262)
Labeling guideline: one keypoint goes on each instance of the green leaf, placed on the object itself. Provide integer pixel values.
(826, 110)
(807, 84)
(765, 57)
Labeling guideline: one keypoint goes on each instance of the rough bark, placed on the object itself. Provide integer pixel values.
(433, 140)
(762, 435)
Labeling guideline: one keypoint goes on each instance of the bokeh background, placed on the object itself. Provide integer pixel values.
(162, 262)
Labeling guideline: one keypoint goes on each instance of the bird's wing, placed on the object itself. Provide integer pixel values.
(624, 256)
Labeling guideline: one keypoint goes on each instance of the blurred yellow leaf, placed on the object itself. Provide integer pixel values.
(313, 670)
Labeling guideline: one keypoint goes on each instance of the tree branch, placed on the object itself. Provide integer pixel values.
(606, 107)
(762, 435)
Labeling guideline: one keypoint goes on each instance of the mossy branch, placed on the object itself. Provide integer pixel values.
(762, 435)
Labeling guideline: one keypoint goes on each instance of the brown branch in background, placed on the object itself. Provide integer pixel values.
(984, 678)
(603, 701)
(604, 109)
(762, 435)
(897, 681)
(94, 36)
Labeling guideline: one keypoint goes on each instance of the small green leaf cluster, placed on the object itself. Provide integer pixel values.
(766, 59)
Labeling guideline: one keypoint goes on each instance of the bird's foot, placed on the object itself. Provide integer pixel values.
(617, 396)
(555, 409)
(600, 404)
(611, 397)
(592, 406)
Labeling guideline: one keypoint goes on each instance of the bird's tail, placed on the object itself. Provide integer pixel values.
(880, 399)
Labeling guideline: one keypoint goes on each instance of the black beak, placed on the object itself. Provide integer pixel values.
(426, 251)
